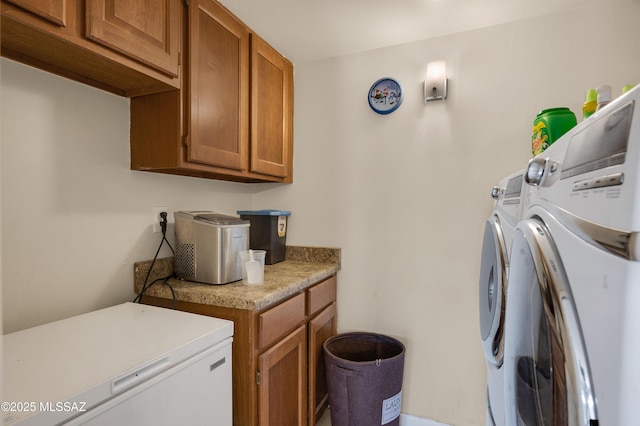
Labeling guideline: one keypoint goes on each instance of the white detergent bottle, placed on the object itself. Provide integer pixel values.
(604, 96)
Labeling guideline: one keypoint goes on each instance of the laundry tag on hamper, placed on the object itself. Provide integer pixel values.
(391, 408)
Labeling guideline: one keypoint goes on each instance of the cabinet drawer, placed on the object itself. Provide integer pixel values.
(321, 295)
(278, 321)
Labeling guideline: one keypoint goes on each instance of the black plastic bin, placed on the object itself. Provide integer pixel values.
(364, 379)
(268, 231)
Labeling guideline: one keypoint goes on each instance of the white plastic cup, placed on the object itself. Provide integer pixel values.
(258, 255)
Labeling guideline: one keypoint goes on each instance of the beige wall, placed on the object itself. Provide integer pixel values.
(404, 195)
(74, 217)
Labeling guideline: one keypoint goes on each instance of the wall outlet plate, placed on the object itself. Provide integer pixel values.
(156, 217)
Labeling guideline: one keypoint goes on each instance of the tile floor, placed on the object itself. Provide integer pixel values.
(325, 420)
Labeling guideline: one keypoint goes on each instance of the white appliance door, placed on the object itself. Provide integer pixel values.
(493, 278)
(195, 392)
(547, 375)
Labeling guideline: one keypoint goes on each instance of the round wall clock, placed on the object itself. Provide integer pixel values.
(385, 96)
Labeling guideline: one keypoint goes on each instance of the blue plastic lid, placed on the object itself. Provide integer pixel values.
(266, 212)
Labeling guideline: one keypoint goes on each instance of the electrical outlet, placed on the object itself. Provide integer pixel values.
(156, 217)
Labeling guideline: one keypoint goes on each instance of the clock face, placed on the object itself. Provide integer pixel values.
(385, 96)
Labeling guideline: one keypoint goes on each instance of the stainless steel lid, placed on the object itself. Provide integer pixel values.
(220, 219)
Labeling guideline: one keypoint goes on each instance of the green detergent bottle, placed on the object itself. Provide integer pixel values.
(549, 125)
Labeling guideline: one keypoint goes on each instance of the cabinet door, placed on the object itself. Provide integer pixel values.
(271, 110)
(147, 31)
(219, 87)
(321, 328)
(53, 11)
(282, 392)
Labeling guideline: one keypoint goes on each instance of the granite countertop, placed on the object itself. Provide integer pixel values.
(302, 267)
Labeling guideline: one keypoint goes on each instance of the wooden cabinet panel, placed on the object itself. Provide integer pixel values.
(52, 35)
(321, 295)
(219, 87)
(147, 31)
(53, 11)
(236, 122)
(274, 323)
(283, 382)
(271, 110)
(323, 326)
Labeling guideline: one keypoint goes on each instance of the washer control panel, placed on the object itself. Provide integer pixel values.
(599, 182)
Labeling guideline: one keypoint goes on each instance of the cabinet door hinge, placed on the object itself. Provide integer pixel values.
(258, 377)
(185, 140)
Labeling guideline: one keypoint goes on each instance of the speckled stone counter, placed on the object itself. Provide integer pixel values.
(302, 267)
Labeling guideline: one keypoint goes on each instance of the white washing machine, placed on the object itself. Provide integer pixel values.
(498, 234)
(572, 329)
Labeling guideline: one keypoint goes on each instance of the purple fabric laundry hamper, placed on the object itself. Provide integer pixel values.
(364, 379)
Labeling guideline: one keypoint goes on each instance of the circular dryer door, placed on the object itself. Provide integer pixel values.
(493, 278)
(547, 376)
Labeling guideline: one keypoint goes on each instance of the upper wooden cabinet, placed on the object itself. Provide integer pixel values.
(218, 113)
(53, 11)
(271, 110)
(124, 47)
(140, 30)
(233, 118)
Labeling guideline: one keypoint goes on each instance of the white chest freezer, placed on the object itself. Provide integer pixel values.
(129, 364)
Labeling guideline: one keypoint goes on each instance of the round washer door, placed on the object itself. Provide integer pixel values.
(547, 375)
(493, 278)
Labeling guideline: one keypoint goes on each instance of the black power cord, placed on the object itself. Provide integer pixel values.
(165, 280)
(163, 225)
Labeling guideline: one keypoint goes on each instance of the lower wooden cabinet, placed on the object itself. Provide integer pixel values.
(278, 364)
(321, 327)
(282, 381)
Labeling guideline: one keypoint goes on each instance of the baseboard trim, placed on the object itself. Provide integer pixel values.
(408, 420)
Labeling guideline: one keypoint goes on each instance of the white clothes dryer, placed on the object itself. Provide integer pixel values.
(494, 270)
(572, 333)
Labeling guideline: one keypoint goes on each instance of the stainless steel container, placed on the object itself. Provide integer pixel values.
(208, 246)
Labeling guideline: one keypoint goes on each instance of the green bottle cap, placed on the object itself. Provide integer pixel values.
(590, 104)
(628, 87)
(591, 95)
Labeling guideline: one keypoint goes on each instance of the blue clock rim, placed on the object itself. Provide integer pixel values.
(400, 98)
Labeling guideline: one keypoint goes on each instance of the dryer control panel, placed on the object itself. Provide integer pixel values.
(601, 143)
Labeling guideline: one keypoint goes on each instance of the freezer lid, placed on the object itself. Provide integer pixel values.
(93, 357)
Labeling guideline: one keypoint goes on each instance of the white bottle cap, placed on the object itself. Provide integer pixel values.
(604, 93)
